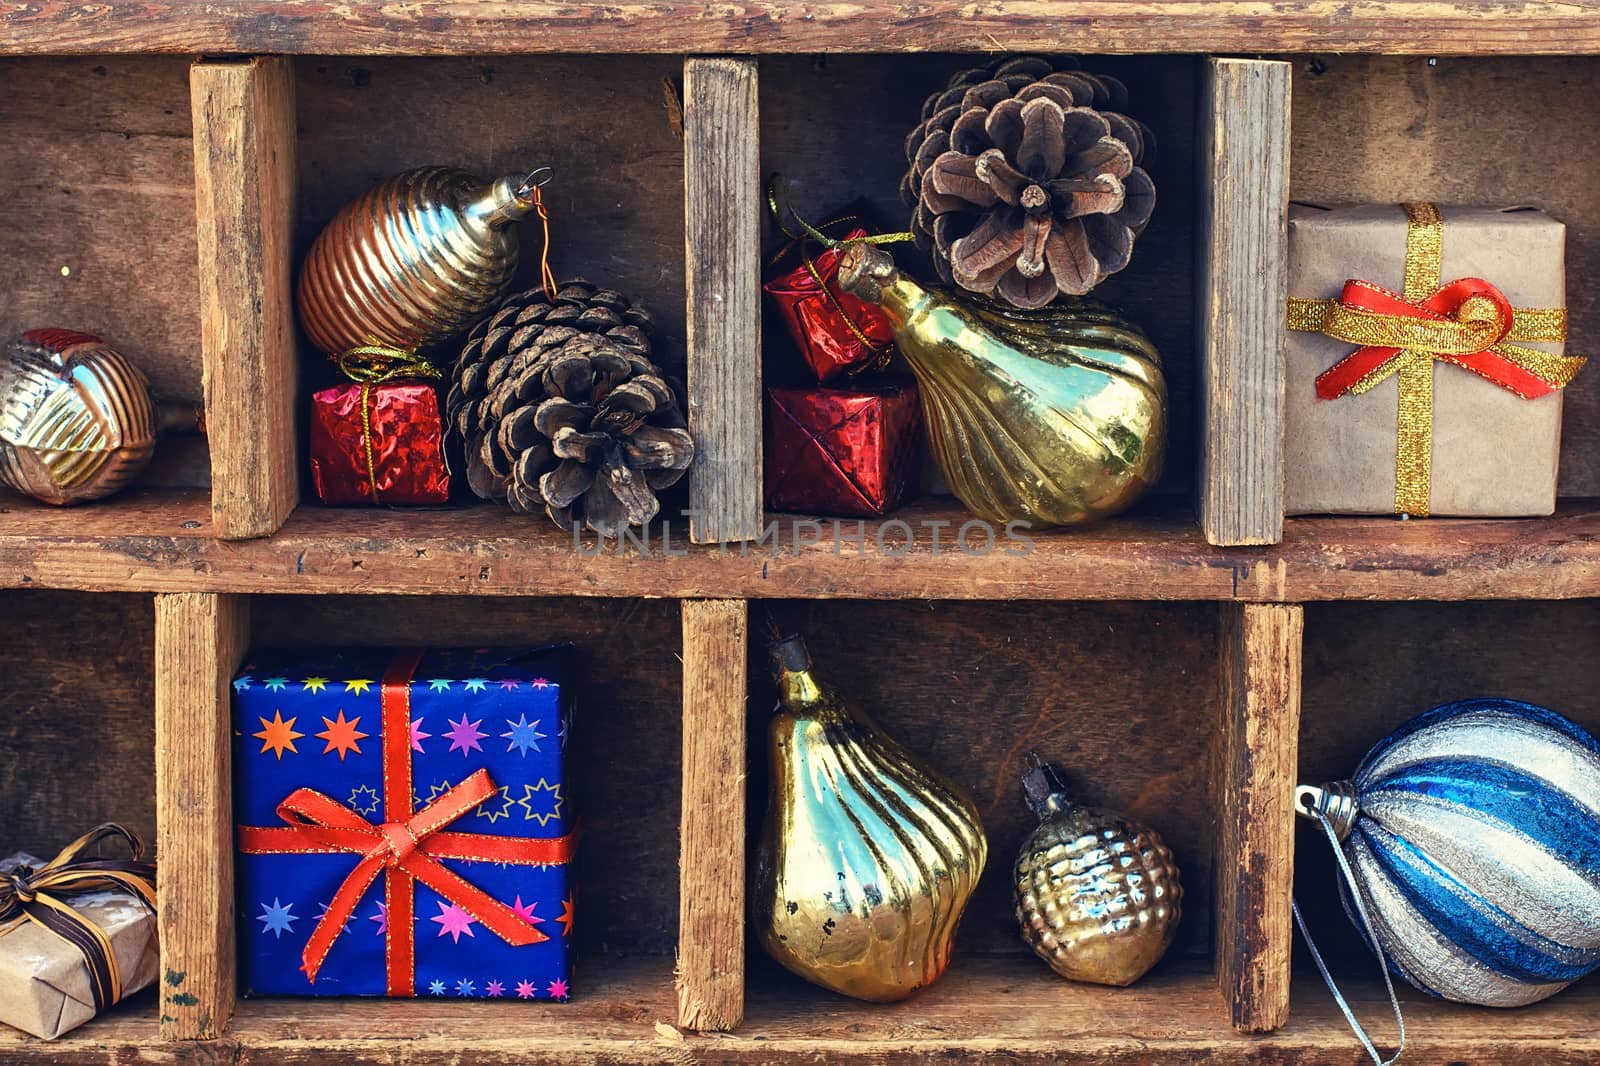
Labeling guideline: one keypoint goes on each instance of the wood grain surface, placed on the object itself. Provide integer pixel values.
(77, 729)
(244, 152)
(97, 175)
(710, 975)
(624, 753)
(200, 641)
(1258, 730)
(1370, 129)
(1010, 1010)
(1241, 275)
(139, 542)
(1437, 27)
(722, 219)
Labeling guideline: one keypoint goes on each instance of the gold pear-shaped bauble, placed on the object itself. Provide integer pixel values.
(77, 421)
(1098, 896)
(414, 261)
(867, 857)
(1052, 417)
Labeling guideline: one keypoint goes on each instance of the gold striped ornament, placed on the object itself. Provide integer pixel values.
(415, 261)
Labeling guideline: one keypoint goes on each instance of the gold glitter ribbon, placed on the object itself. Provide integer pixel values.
(374, 364)
(1466, 322)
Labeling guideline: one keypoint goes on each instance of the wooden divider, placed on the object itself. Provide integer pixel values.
(244, 171)
(1241, 268)
(722, 219)
(200, 640)
(1259, 736)
(711, 871)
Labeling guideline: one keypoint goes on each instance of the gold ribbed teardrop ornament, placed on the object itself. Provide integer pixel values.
(77, 421)
(1052, 417)
(415, 261)
(867, 857)
(1098, 897)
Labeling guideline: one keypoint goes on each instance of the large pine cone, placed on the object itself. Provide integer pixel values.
(1024, 188)
(557, 407)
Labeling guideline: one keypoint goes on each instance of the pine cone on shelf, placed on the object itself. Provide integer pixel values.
(1026, 181)
(557, 407)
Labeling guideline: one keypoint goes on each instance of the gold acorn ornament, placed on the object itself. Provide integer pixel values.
(867, 857)
(414, 261)
(1026, 181)
(1098, 897)
(77, 420)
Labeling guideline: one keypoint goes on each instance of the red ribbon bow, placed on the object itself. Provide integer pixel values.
(1463, 322)
(406, 849)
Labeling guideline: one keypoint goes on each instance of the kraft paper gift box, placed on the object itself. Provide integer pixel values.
(1493, 451)
(371, 784)
(45, 985)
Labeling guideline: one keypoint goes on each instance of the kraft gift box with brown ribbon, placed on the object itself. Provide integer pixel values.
(76, 935)
(1434, 426)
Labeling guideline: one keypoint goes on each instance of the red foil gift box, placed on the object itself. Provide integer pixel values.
(840, 452)
(836, 333)
(378, 444)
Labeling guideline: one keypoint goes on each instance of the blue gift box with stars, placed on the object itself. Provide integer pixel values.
(319, 807)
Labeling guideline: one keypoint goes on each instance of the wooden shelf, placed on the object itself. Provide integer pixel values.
(982, 1008)
(488, 27)
(163, 543)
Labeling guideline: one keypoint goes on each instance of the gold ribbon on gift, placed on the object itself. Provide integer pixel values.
(1467, 322)
(36, 895)
(374, 364)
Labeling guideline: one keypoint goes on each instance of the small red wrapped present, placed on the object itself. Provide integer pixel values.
(378, 443)
(836, 333)
(843, 452)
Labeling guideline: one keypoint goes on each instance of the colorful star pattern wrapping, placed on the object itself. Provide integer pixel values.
(316, 721)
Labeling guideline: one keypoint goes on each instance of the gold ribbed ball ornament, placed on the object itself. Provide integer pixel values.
(1098, 896)
(415, 261)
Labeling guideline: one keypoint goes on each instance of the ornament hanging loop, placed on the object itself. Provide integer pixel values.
(527, 192)
(1335, 801)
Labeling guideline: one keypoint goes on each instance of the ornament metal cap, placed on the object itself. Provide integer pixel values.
(788, 655)
(1043, 788)
(1335, 800)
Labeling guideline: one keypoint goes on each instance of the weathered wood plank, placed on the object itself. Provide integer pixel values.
(711, 859)
(200, 641)
(244, 180)
(1242, 272)
(722, 206)
(1434, 27)
(982, 1011)
(1258, 737)
(138, 542)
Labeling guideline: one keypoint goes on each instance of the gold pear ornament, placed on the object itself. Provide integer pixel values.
(1098, 896)
(867, 857)
(1051, 417)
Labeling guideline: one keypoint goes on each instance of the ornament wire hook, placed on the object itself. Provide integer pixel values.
(1377, 948)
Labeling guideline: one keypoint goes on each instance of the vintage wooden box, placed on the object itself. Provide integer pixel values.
(165, 201)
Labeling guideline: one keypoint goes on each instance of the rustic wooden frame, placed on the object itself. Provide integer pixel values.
(177, 547)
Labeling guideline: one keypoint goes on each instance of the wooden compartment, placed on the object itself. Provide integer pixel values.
(833, 127)
(98, 179)
(1368, 669)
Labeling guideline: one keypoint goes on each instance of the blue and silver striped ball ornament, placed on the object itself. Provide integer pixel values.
(1473, 836)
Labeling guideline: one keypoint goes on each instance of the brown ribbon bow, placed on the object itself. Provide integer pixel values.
(36, 895)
